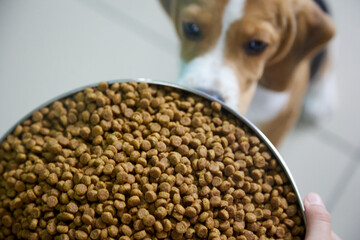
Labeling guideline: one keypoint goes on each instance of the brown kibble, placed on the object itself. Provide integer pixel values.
(238, 176)
(239, 226)
(103, 86)
(280, 232)
(142, 213)
(37, 116)
(155, 172)
(133, 201)
(108, 169)
(214, 167)
(175, 141)
(80, 189)
(259, 197)
(80, 235)
(155, 127)
(146, 145)
(190, 212)
(144, 103)
(52, 201)
(216, 106)
(87, 219)
(52, 179)
(250, 217)
(201, 230)
(126, 218)
(113, 231)
(215, 201)
(140, 235)
(292, 210)
(103, 194)
(181, 168)
(150, 196)
(6, 221)
(62, 229)
(288, 222)
(135, 160)
(160, 212)
(249, 207)
(229, 170)
(238, 194)
(107, 217)
(126, 230)
(202, 151)
(149, 220)
(291, 197)
(128, 113)
(97, 130)
(223, 214)
(181, 227)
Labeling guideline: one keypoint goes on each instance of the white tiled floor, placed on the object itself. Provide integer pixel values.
(50, 47)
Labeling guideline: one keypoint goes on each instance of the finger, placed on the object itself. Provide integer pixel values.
(334, 236)
(318, 224)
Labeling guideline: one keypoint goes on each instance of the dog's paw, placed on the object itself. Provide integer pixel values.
(321, 100)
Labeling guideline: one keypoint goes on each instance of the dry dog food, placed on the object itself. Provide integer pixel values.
(138, 161)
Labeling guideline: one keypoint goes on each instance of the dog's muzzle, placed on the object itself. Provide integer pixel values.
(213, 94)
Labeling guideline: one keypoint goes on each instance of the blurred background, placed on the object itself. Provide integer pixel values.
(50, 47)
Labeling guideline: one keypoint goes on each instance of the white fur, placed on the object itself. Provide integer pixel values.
(266, 105)
(209, 72)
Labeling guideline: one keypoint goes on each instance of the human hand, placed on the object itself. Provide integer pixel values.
(318, 226)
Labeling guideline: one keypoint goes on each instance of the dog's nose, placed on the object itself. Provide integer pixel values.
(213, 94)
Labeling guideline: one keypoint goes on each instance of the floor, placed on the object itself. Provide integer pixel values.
(50, 47)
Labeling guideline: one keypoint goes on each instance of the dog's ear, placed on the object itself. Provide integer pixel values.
(308, 30)
(170, 7)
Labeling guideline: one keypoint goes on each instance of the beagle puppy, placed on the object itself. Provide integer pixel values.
(257, 56)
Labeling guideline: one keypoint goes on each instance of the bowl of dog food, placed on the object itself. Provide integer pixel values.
(140, 159)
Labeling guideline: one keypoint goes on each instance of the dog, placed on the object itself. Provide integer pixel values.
(257, 56)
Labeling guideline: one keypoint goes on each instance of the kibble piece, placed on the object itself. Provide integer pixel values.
(126, 218)
(62, 229)
(250, 217)
(107, 217)
(150, 196)
(190, 212)
(80, 235)
(292, 210)
(103, 194)
(160, 212)
(52, 201)
(216, 106)
(113, 231)
(149, 220)
(175, 141)
(155, 172)
(108, 169)
(259, 197)
(201, 230)
(52, 179)
(133, 201)
(140, 235)
(126, 230)
(181, 227)
(87, 219)
(80, 189)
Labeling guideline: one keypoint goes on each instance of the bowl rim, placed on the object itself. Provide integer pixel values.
(242, 118)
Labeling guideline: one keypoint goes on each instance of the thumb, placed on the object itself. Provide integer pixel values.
(318, 219)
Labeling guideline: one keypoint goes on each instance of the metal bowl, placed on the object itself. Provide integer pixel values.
(243, 119)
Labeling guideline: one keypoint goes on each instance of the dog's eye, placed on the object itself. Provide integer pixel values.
(255, 47)
(191, 31)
